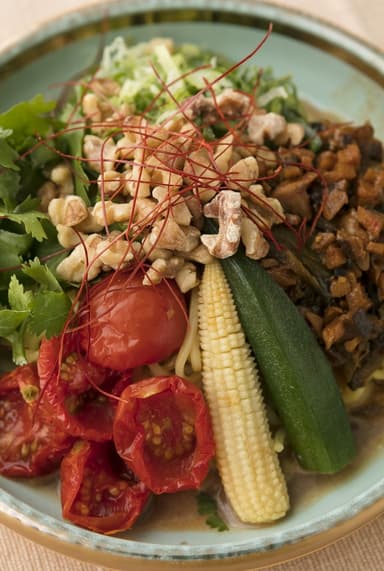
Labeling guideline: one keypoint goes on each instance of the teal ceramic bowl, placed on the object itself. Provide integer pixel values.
(335, 73)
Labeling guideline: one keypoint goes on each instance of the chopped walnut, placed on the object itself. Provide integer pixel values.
(46, 193)
(168, 234)
(256, 246)
(233, 103)
(295, 133)
(134, 129)
(67, 237)
(152, 253)
(230, 103)
(110, 182)
(143, 210)
(242, 174)
(200, 254)
(268, 126)
(161, 269)
(176, 204)
(104, 87)
(108, 212)
(101, 153)
(186, 278)
(83, 260)
(61, 175)
(269, 210)
(89, 225)
(115, 252)
(201, 174)
(223, 153)
(226, 206)
(137, 181)
(69, 210)
(90, 107)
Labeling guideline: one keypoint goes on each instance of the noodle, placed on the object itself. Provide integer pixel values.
(158, 370)
(190, 348)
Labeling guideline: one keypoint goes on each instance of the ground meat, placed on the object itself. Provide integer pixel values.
(348, 241)
(336, 199)
(370, 190)
(293, 195)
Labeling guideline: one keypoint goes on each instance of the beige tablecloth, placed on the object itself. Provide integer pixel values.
(363, 550)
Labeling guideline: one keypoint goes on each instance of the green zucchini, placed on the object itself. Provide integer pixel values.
(294, 368)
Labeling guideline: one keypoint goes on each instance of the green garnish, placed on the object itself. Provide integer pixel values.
(207, 505)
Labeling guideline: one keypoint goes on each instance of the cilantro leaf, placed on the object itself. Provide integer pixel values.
(18, 298)
(30, 221)
(9, 187)
(49, 312)
(50, 249)
(207, 505)
(8, 155)
(12, 242)
(12, 247)
(16, 340)
(42, 275)
(10, 319)
(27, 119)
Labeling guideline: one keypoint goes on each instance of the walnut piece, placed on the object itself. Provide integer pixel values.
(82, 260)
(101, 153)
(266, 126)
(242, 174)
(226, 207)
(68, 211)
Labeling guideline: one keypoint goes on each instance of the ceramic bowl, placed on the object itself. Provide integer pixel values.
(335, 73)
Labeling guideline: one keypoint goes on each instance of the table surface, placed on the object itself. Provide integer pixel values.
(364, 549)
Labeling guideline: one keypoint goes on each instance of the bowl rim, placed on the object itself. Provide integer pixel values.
(67, 27)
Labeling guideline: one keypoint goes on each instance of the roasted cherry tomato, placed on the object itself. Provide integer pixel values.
(97, 491)
(76, 404)
(126, 324)
(29, 445)
(162, 430)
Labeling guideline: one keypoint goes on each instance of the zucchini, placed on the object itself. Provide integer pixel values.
(295, 370)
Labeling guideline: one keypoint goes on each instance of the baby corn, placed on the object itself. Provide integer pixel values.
(247, 463)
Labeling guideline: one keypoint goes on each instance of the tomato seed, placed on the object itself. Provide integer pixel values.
(156, 429)
(25, 450)
(169, 454)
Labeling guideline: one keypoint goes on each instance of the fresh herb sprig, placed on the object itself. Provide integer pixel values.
(207, 505)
